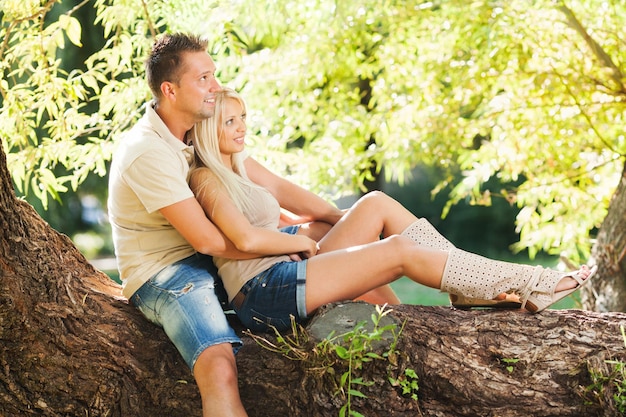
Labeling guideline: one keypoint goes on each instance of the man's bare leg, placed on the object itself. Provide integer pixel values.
(215, 372)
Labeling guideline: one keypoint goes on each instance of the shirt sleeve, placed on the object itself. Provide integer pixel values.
(159, 179)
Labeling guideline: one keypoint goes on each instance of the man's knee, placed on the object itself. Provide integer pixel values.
(215, 372)
(217, 361)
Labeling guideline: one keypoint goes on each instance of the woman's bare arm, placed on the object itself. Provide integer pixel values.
(222, 211)
(303, 203)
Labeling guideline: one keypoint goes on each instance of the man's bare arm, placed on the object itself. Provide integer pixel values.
(189, 219)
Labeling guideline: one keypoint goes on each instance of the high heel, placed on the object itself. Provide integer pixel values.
(539, 294)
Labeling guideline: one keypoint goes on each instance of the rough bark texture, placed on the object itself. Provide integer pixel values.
(69, 346)
(609, 252)
(461, 358)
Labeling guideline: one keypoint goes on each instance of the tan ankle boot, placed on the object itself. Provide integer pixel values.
(425, 234)
(482, 278)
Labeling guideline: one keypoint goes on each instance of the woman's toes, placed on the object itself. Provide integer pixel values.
(567, 283)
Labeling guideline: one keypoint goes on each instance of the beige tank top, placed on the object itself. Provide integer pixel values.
(236, 272)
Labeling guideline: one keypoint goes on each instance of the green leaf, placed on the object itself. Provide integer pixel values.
(342, 352)
(355, 393)
(344, 378)
(72, 28)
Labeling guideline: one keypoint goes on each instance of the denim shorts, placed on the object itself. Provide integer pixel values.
(186, 299)
(274, 296)
(291, 230)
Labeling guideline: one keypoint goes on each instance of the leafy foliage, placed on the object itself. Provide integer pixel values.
(530, 94)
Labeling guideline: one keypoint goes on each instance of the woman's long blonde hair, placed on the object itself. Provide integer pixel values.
(205, 138)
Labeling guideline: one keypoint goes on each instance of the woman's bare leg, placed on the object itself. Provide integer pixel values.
(373, 216)
(380, 295)
(376, 215)
(347, 274)
(315, 230)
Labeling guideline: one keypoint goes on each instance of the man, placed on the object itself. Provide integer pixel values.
(161, 233)
(159, 230)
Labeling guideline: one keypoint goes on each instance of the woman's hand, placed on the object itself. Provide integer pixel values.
(310, 249)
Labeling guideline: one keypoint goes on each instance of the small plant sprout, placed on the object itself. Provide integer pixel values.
(509, 364)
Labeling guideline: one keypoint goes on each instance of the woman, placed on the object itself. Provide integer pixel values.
(294, 274)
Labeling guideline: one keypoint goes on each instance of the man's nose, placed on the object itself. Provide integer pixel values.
(215, 85)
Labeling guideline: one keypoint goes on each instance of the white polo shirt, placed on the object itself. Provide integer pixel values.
(149, 171)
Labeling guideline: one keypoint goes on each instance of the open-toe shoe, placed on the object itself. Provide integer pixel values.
(539, 293)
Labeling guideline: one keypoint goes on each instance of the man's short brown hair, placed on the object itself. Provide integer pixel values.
(165, 59)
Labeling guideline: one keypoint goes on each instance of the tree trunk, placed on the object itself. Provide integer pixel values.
(70, 346)
(609, 252)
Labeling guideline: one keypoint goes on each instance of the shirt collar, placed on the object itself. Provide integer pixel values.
(163, 131)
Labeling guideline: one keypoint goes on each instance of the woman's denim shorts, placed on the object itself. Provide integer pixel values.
(275, 296)
(186, 299)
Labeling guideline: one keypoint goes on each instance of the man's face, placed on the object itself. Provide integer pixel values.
(194, 90)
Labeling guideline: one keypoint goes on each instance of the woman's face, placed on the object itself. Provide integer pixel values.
(232, 130)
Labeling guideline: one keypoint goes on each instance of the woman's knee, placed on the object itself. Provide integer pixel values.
(404, 250)
(400, 243)
(374, 200)
(376, 196)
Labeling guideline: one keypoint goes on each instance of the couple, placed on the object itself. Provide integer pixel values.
(162, 234)
(350, 260)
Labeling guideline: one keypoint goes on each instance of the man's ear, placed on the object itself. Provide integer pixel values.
(167, 89)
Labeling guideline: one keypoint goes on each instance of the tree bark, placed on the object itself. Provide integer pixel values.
(609, 252)
(71, 346)
(461, 358)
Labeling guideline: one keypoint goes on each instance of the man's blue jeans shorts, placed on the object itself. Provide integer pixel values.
(185, 299)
